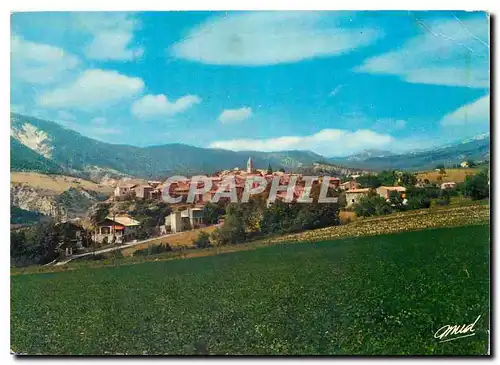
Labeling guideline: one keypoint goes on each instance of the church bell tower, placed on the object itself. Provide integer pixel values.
(250, 168)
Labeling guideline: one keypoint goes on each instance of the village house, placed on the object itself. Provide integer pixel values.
(143, 191)
(181, 188)
(151, 190)
(334, 182)
(117, 229)
(349, 185)
(352, 196)
(298, 191)
(464, 164)
(154, 184)
(123, 189)
(448, 185)
(194, 215)
(385, 191)
(73, 234)
(181, 221)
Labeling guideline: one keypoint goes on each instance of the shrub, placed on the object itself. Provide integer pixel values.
(154, 250)
(387, 178)
(35, 245)
(408, 179)
(369, 181)
(202, 241)
(444, 198)
(476, 187)
(96, 257)
(212, 212)
(372, 205)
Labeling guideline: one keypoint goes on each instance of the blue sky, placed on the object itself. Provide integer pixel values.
(331, 82)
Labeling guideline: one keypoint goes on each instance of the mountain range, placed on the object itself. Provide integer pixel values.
(475, 148)
(45, 146)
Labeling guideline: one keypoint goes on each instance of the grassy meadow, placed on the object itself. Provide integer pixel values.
(56, 183)
(384, 294)
(454, 175)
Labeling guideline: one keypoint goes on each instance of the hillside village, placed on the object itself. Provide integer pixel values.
(250, 182)
(134, 210)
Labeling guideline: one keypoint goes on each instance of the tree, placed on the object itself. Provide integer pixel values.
(387, 177)
(279, 217)
(153, 250)
(444, 197)
(212, 212)
(18, 249)
(281, 169)
(312, 216)
(35, 245)
(396, 200)
(418, 202)
(408, 179)
(233, 230)
(372, 205)
(98, 214)
(419, 198)
(476, 187)
(150, 214)
(369, 181)
(269, 170)
(203, 240)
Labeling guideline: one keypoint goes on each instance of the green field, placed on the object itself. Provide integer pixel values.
(385, 294)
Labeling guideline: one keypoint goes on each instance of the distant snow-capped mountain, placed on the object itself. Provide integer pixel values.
(369, 153)
(479, 137)
(475, 148)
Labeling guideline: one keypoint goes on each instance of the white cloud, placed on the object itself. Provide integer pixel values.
(112, 35)
(98, 120)
(112, 45)
(151, 107)
(477, 112)
(447, 52)
(93, 89)
(327, 142)
(235, 115)
(267, 38)
(39, 63)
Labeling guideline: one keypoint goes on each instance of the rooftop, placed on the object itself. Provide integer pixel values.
(394, 188)
(364, 190)
(124, 220)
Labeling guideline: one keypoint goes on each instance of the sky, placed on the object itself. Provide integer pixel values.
(334, 83)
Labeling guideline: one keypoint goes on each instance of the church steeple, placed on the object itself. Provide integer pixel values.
(250, 168)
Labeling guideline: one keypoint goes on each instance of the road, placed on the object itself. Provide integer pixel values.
(110, 249)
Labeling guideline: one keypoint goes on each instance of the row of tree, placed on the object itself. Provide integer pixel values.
(243, 222)
(387, 178)
(475, 187)
(42, 242)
